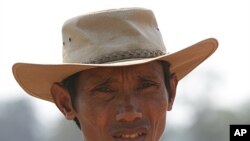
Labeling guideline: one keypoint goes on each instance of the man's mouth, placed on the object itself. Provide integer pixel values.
(138, 134)
(130, 136)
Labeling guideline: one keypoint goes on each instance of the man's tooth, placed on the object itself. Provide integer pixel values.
(125, 136)
(136, 135)
(131, 135)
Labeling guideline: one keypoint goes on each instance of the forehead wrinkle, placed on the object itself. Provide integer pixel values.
(146, 71)
(100, 74)
(150, 71)
(93, 77)
(153, 71)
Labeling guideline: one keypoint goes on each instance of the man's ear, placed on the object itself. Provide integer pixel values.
(172, 92)
(62, 100)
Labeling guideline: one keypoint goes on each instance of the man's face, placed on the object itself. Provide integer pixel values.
(122, 103)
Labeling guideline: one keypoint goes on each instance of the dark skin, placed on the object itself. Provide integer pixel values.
(120, 103)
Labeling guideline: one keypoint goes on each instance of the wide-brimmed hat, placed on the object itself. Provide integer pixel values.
(111, 38)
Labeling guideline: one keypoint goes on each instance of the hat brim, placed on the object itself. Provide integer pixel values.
(37, 79)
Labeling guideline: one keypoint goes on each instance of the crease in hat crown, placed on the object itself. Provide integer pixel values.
(112, 35)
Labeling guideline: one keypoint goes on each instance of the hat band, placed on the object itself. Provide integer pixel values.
(121, 55)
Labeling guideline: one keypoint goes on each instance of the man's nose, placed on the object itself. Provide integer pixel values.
(128, 110)
(128, 116)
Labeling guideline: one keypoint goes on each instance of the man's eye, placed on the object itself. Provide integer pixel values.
(103, 93)
(104, 89)
(147, 84)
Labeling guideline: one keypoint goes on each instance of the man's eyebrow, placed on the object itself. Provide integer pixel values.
(147, 77)
(105, 82)
(95, 77)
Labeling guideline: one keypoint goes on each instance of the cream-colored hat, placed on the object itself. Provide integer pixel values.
(109, 38)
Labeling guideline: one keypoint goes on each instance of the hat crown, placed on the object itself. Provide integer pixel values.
(112, 35)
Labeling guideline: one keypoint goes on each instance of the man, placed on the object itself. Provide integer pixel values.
(117, 81)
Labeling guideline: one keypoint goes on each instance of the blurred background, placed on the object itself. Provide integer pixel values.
(209, 99)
